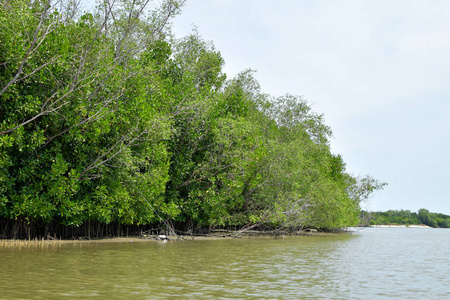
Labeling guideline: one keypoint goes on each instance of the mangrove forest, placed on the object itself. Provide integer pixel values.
(405, 217)
(110, 124)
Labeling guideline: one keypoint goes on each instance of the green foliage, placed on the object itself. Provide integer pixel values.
(406, 217)
(103, 118)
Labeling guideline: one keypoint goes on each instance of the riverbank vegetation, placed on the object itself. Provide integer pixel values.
(110, 124)
(406, 217)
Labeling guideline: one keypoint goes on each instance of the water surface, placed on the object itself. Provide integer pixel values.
(374, 263)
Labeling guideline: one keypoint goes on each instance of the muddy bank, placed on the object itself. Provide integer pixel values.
(147, 237)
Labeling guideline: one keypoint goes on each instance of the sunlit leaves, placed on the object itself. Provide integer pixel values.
(104, 117)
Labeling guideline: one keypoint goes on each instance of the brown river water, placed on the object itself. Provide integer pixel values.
(372, 263)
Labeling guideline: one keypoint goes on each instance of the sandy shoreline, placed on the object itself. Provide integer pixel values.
(400, 226)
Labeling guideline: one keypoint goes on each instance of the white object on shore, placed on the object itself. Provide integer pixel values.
(162, 237)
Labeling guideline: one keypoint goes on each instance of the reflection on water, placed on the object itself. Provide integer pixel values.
(391, 263)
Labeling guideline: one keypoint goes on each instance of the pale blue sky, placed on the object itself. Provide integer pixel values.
(379, 71)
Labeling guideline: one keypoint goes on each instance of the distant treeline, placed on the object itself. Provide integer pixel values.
(406, 217)
(108, 123)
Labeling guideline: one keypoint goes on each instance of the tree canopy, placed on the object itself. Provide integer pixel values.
(406, 217)
(106, 117)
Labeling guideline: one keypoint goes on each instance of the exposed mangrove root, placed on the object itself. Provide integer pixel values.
(26, 230)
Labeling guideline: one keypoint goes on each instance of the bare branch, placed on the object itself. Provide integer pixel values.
(30, 49)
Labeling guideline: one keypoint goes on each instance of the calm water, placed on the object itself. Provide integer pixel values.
(374, 263)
